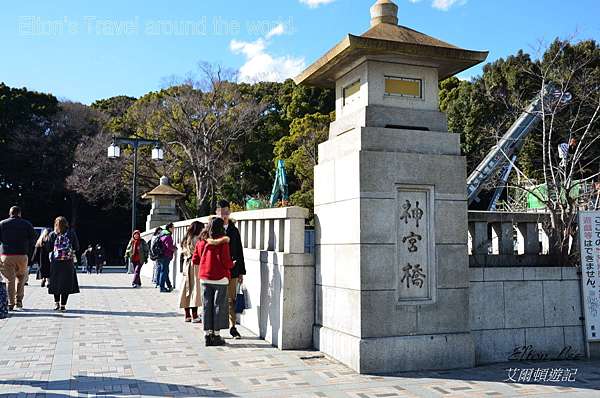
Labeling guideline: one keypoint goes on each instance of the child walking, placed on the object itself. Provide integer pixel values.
(213, 256)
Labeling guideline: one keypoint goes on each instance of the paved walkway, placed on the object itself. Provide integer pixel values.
(116, 341)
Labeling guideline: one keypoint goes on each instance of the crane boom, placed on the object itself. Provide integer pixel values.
(511, 142)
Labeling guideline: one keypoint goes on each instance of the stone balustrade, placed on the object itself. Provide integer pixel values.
(509, 239)
(280, 274)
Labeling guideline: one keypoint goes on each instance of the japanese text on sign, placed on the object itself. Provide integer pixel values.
(414, 247)
(589, 238)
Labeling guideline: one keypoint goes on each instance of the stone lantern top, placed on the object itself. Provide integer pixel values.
(164, 190)
(388, 41)
(384, 11)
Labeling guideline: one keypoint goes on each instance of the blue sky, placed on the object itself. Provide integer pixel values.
(83, 50)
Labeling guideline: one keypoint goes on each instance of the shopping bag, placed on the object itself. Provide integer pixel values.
(240, 300)
(3, 301)
(247, 303)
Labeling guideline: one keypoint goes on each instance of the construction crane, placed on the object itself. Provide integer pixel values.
(280, 186)
(503, 155)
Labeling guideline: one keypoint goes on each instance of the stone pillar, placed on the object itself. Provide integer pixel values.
(391, 210)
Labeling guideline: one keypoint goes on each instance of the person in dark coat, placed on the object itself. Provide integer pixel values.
(90, 258)
(41, 256)
(100, 258)
(17, 238)
(239, 269)
(64, 245)
(169, 249)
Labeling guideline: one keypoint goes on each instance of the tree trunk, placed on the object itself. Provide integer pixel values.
(74, 208)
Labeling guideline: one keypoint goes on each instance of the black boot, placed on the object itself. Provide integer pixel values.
(209, 340)
(234, 333)
(218, 340)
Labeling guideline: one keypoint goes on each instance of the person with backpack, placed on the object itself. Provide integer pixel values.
(17, 238)
(154, 257)
(213, 256)
(137, 254)
(63, 245)
(167, 249)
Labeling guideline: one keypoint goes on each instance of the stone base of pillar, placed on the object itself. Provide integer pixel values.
(157, 220)
(397, 353)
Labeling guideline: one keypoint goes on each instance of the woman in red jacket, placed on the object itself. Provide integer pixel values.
(213, 256)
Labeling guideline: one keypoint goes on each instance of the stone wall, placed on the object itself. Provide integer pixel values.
(526, 313)
(522, 306)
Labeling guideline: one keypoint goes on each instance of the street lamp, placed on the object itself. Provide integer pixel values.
(114, 152)
(157, 153)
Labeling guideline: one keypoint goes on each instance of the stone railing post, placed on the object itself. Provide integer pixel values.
(279, 235)
(527, 238)
(478, 231)
(253, 233)
(269, 237)
(294, 236)
(502, 238)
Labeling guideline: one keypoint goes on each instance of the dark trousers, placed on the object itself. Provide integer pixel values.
(156, 273)
(136, 273)
(215, 306)
(62, 298)
(163, 274)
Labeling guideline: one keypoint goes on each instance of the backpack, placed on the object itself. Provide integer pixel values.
(157, 248)
(63, 250)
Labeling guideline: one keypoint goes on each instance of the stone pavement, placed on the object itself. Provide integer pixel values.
(119, 342)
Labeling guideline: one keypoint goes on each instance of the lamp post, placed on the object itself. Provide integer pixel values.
(114, 152)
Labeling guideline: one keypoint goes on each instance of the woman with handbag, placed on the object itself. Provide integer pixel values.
(63, 245)
(41, 256)
(213, 256)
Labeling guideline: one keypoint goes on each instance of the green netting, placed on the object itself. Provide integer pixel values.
(540, 193)
(253, 204)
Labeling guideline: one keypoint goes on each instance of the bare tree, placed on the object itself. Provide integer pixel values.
(569, 143)
(95, 177)
(199, 120)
